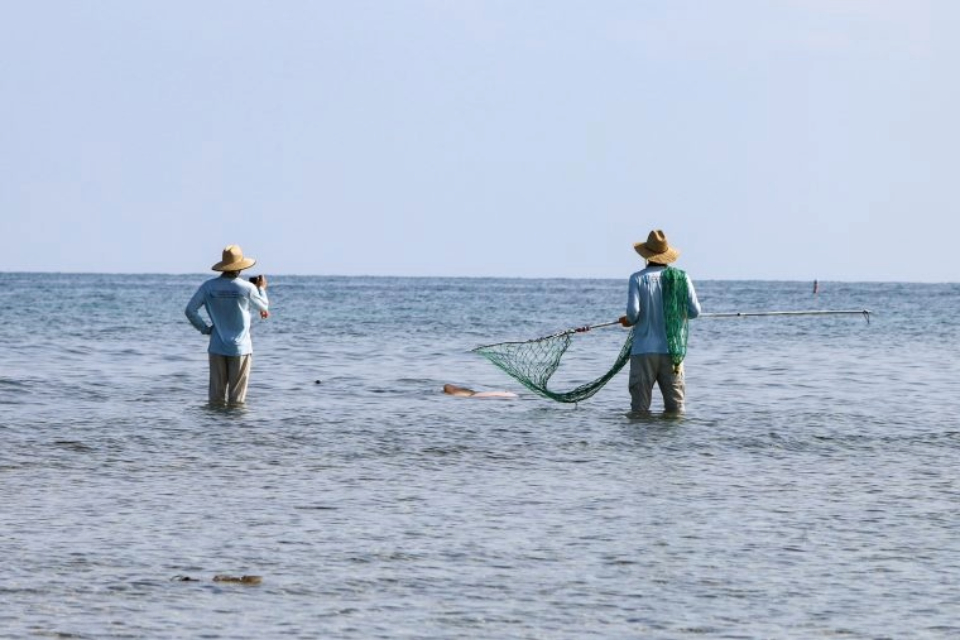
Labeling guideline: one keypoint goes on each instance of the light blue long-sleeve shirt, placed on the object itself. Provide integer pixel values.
(645, 310)
(228, 302)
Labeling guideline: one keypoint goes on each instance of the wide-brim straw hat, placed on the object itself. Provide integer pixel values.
(657, 249)
(233, 260)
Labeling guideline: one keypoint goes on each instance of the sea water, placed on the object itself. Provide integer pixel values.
(811, 489)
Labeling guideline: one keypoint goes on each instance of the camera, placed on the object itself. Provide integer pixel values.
(255, 280)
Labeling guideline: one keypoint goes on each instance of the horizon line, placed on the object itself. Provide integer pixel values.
(459, 277)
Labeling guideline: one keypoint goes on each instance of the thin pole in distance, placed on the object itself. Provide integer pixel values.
(747, 314)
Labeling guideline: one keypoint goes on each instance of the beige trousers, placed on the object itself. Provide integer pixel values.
(647, 369)
(229, 376)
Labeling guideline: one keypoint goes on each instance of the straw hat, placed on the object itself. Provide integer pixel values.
(233, 260)
(656, 248)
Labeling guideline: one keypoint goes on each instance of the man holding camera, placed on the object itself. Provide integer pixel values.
(228, 300)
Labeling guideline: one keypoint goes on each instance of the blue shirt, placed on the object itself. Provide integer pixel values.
(645, 310)
(228, 301)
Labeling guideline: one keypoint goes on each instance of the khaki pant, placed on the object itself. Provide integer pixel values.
(229, 376)
(647, 369)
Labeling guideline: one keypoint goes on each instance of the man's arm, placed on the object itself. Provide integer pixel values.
(693, 305)
(259, 298)
(193, 313)
(633, 303)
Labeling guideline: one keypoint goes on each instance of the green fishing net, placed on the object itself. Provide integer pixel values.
(673, 285)
(533, 362)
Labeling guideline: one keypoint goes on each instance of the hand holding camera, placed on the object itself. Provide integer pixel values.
(261, 281)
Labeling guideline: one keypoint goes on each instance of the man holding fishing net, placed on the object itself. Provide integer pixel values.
(660, 300)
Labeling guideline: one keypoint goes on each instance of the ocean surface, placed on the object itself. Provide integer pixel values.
(810, 491)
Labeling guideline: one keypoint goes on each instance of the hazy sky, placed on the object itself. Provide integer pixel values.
(770, 139)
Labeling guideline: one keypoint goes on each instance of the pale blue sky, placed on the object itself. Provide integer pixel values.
(790, 139)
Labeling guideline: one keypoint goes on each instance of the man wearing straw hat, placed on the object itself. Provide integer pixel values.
(228, 300)
(659, 302)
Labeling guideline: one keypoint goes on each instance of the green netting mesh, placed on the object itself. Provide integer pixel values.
(673, 284)
(533, 362)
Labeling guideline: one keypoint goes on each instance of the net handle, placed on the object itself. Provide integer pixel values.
(565, 332)
(589, 327)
